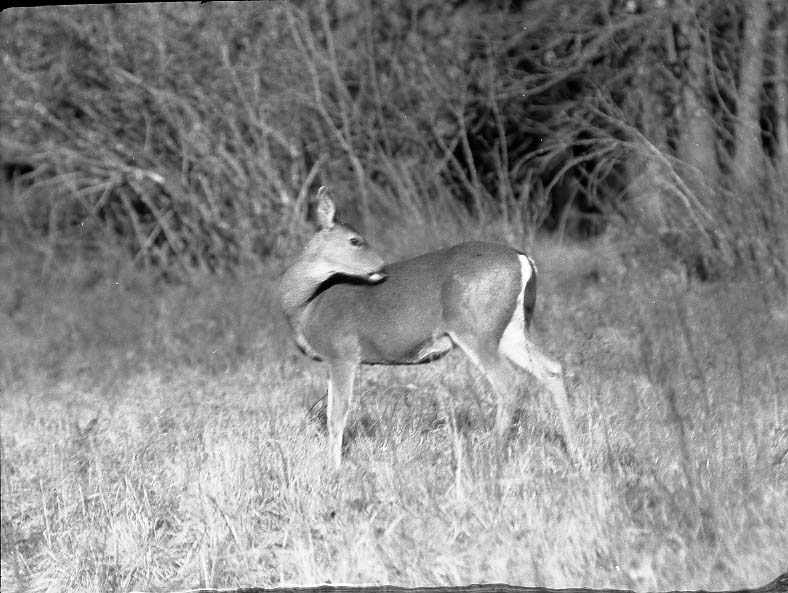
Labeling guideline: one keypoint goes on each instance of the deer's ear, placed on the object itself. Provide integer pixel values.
(325, 208)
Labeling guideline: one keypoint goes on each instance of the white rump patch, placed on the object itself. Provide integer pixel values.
(514, 343)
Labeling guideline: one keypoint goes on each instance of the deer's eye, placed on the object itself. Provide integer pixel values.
(356, 241)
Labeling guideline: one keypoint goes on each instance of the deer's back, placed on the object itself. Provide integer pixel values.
(470, 287)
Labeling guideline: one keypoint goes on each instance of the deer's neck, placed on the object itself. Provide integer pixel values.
(299, 285)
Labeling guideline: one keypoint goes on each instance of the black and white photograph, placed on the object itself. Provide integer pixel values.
(396, 296)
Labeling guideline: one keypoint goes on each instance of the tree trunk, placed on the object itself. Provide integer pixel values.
(647, 180)
(748, 158)
(781, 86)
(780, 49)
(697, 143)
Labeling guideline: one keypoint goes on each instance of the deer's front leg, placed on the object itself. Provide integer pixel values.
(340, 394)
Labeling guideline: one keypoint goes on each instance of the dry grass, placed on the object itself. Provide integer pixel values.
(156, 438)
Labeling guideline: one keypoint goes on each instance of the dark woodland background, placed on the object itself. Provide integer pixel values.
(190, 137)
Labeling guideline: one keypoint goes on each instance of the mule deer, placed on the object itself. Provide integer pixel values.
(347, 309)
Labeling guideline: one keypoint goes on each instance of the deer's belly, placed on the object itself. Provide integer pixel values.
(382, 352)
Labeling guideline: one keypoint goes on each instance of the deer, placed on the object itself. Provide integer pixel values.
(347, 307)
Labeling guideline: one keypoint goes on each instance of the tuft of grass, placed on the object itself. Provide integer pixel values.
(160, 437)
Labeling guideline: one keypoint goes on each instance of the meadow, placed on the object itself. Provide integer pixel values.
(158, 437)
(160, 431)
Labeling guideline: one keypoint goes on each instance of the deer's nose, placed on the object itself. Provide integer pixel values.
(378, 275)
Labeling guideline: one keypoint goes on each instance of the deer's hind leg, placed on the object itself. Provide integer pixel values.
(516, 346)
(485, 356)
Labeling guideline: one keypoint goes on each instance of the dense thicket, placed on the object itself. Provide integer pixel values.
(193, 135)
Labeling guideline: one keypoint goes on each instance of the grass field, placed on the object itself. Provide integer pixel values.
(158, 437)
